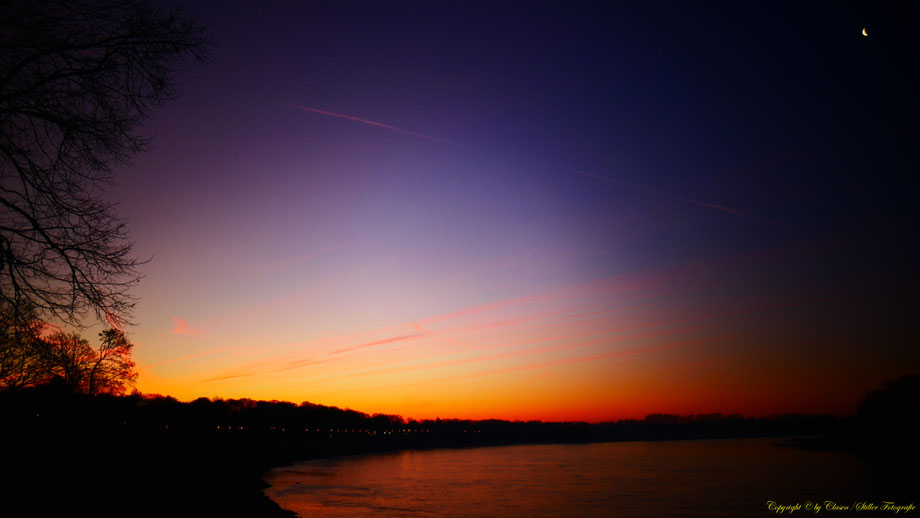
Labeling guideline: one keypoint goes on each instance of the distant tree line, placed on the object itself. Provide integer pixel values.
(890, 416)
(240, 418)
(204, 450)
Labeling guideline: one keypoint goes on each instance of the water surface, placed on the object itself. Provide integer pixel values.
(733, 477)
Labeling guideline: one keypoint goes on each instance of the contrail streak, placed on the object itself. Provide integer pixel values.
(372, 123)
(583, 173)
(687, 200)
(379, 342)
(742, 214)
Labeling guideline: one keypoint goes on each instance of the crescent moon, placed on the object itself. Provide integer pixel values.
(864, 32)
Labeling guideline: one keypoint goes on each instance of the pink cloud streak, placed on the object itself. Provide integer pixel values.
(379, 342)
(372, 123)
(579, 359)
(255, 369)
(687, 200)
(182, 328)
(184, 358)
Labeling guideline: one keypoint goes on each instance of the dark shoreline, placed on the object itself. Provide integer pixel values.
(453, 445)
(199, 478)
(155, 456)
(889, 484)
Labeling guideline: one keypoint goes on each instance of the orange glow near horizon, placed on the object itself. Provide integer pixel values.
(434, 212)
(604, 350)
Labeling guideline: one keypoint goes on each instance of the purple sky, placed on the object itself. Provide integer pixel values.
(512, 210)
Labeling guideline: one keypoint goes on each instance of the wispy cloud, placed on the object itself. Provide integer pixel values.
(282, 364)
(380, 342)
(606, 179)
(271, 367)
(372, 123)
(664, 194)
(181, 328)
(742, 214)
(702, 321)
(184, 358)
(633, 351)
(606, 311)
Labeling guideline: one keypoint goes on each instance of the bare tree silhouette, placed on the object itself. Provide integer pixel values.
(108, 370)
(112, 369)
(66, 359)
(22, 351)
(77, 77)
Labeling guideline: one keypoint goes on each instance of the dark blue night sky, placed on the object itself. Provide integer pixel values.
(728, 188)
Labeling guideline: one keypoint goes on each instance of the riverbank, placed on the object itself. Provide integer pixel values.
(629, 479)
(177, 476)
(155, 456)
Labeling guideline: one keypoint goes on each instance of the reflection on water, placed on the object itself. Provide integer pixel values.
(639, 479)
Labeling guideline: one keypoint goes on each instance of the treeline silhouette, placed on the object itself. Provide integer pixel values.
(886, 425)
(53, 408)
(151, 455)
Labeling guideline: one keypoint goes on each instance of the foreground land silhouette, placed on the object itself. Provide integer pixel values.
(142, 455)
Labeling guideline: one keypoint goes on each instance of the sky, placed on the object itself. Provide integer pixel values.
(522, 210)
